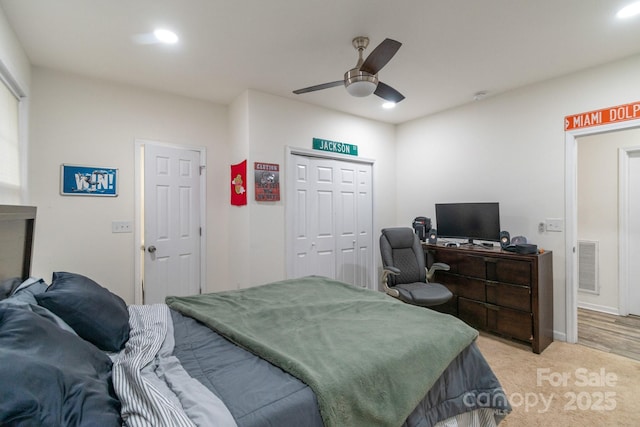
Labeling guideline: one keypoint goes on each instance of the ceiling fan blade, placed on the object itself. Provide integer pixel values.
(319, 87)
(379, 57)
(388, 93)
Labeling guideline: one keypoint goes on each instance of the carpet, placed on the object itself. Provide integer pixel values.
(566, 385)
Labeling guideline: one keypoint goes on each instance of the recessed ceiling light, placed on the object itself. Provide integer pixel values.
(165, 36)
(389, 105)
(628, 11)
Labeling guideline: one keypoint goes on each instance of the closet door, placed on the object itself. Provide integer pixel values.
(354, 224)
(331, 203)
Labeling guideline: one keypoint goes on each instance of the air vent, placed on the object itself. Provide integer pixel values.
(588, 267)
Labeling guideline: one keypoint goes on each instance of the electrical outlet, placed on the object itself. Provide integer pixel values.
(121, 227)
(541, 227)
(554, 224)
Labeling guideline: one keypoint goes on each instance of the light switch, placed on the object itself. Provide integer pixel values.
(555, 224)
(121, 227)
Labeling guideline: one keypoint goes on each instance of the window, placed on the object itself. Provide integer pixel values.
(11, 161)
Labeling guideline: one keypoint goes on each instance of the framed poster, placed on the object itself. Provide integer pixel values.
(267, 182)
(88, 181)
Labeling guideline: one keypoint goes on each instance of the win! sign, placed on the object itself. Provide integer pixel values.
(89, 181)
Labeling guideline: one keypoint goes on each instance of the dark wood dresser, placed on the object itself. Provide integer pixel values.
(498, 291)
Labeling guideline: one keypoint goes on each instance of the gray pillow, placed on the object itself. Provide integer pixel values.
(96, 314)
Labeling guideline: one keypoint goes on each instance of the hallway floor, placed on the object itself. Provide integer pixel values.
(607, 332)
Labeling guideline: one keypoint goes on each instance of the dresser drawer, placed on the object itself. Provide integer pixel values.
(474, 313)
(473, 266)
(512, 296)
(513, 323)
(509, 271)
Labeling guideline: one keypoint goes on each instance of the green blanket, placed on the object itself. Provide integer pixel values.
(369, 359)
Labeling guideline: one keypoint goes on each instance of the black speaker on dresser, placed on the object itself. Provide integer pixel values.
(421, 226)
(433, 236)
(505, 239)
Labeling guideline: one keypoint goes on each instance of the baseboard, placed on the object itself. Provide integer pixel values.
(600, 308)
(559, 336)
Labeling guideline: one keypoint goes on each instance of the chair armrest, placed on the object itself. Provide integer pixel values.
(385, 279)
(436, 266)
(392, 270)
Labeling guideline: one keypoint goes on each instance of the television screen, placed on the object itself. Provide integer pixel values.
(480, 221)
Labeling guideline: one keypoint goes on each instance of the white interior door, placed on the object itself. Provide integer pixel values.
(354, 224)
(633, 236)
(314, 204)
(171, 223)
(332, 220)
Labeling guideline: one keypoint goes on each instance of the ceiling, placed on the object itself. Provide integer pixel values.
(451, 49)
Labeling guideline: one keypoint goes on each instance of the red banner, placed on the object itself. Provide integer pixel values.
(605, 116)
(239, 184)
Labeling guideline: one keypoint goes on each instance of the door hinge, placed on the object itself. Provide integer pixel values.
(202, 167)
(200, 231)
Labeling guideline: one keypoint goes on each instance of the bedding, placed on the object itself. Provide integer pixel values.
(175, 370)
(153, 386)
(258, 393)
(351, 345)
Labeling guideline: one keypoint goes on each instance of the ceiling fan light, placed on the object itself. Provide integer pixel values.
(361, 88)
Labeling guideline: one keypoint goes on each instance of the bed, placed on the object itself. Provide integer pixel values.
(305, 352)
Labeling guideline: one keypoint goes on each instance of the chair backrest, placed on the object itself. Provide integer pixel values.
(401, 248)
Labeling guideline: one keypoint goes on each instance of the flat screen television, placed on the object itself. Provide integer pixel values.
(471, 221)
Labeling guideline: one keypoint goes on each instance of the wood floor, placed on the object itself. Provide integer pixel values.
(610, 333)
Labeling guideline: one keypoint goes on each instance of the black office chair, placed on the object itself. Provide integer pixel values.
(405, 275)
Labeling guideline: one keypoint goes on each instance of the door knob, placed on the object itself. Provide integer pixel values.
(151, 249)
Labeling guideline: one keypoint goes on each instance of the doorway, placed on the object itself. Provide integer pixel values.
(329, 214)
(170, 226)
(630, 226)
(571, 221)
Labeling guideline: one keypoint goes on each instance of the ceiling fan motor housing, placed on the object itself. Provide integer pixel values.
(360, 83)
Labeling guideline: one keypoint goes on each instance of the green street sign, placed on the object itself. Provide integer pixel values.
(335, 147)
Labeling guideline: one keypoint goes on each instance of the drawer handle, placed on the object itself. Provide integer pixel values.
(491, 260)
(492, 307)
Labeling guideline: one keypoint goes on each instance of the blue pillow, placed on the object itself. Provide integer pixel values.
(96, 314)
(50, 376)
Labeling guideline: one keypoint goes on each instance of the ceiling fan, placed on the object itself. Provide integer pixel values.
(362, 80)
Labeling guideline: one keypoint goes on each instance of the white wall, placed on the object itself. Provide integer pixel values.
(275, 123)
(598, 172)
(239, 235)
(84, 121)
(79, 120)
(511, 149)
